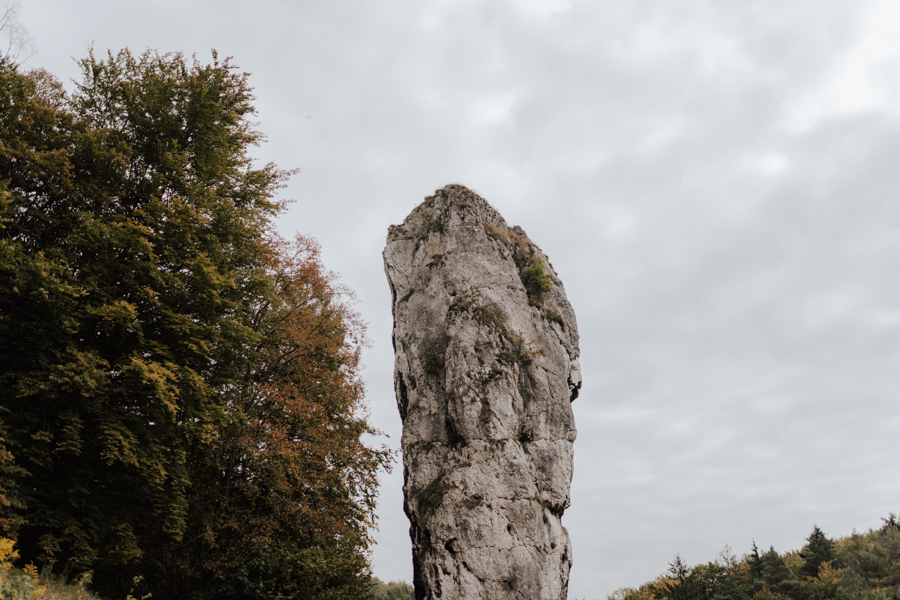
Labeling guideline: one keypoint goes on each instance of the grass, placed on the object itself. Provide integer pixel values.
(554, 317)
(462, 303)
(485, 315)
(28, 584)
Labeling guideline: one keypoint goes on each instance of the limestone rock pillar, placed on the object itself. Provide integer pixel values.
(486, 368)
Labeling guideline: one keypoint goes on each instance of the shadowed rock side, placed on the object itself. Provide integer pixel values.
(486, 350)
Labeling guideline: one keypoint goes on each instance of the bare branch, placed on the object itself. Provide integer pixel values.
(16, 43)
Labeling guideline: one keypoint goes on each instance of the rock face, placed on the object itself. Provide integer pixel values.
(486, 366)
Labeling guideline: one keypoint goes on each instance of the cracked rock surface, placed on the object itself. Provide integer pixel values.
(486, 368)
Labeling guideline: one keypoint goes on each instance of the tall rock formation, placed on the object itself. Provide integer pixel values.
(486, 366)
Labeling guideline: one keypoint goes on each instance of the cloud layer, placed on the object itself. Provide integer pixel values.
(715, 182)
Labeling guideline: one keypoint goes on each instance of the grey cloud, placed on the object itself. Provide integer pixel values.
(733, 274)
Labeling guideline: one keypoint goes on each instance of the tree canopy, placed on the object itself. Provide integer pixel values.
(180, 396)
(858, 567)
(819, 550)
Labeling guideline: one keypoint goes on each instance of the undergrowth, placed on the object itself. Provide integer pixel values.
(28, 584)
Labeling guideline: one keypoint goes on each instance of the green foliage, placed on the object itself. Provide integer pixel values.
(508, 357)
(395, 590)
(819, 549)
(857, 567)
(874, 556)
(16, 585)
(537, 282)
(180, 394)
(775, 576)
(11, 505)
(679, 583)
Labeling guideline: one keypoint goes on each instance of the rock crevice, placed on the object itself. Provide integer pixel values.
(486, 367)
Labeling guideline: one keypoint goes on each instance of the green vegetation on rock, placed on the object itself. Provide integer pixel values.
(537, 281)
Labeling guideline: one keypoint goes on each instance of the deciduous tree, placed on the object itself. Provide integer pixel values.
(179, 395)
(294, 478)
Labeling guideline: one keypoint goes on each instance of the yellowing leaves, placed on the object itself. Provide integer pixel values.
(180, 392)
(119, 313)
(158, 379)
(119, 444)
(8, 553)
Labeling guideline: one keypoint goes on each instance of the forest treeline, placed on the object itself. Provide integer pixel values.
(180, 398)
(395, 590)
(861, 566)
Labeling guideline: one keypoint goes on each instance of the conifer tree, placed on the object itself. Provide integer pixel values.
(680, 582)
(754, 563)
(775, 576)
(818, 550)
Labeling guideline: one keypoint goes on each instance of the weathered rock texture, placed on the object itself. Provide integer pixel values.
(486, 368)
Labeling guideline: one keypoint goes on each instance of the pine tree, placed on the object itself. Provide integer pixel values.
(755, 568)
(818, 550)
(776, 577)
(680, 583)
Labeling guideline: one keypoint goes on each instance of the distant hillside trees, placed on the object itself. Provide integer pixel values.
(858, 567)
(179, 393)
(395, 590)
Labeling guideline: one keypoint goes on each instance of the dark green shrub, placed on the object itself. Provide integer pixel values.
(536, 281)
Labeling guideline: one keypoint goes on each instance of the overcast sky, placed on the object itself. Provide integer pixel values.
(716, 183)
